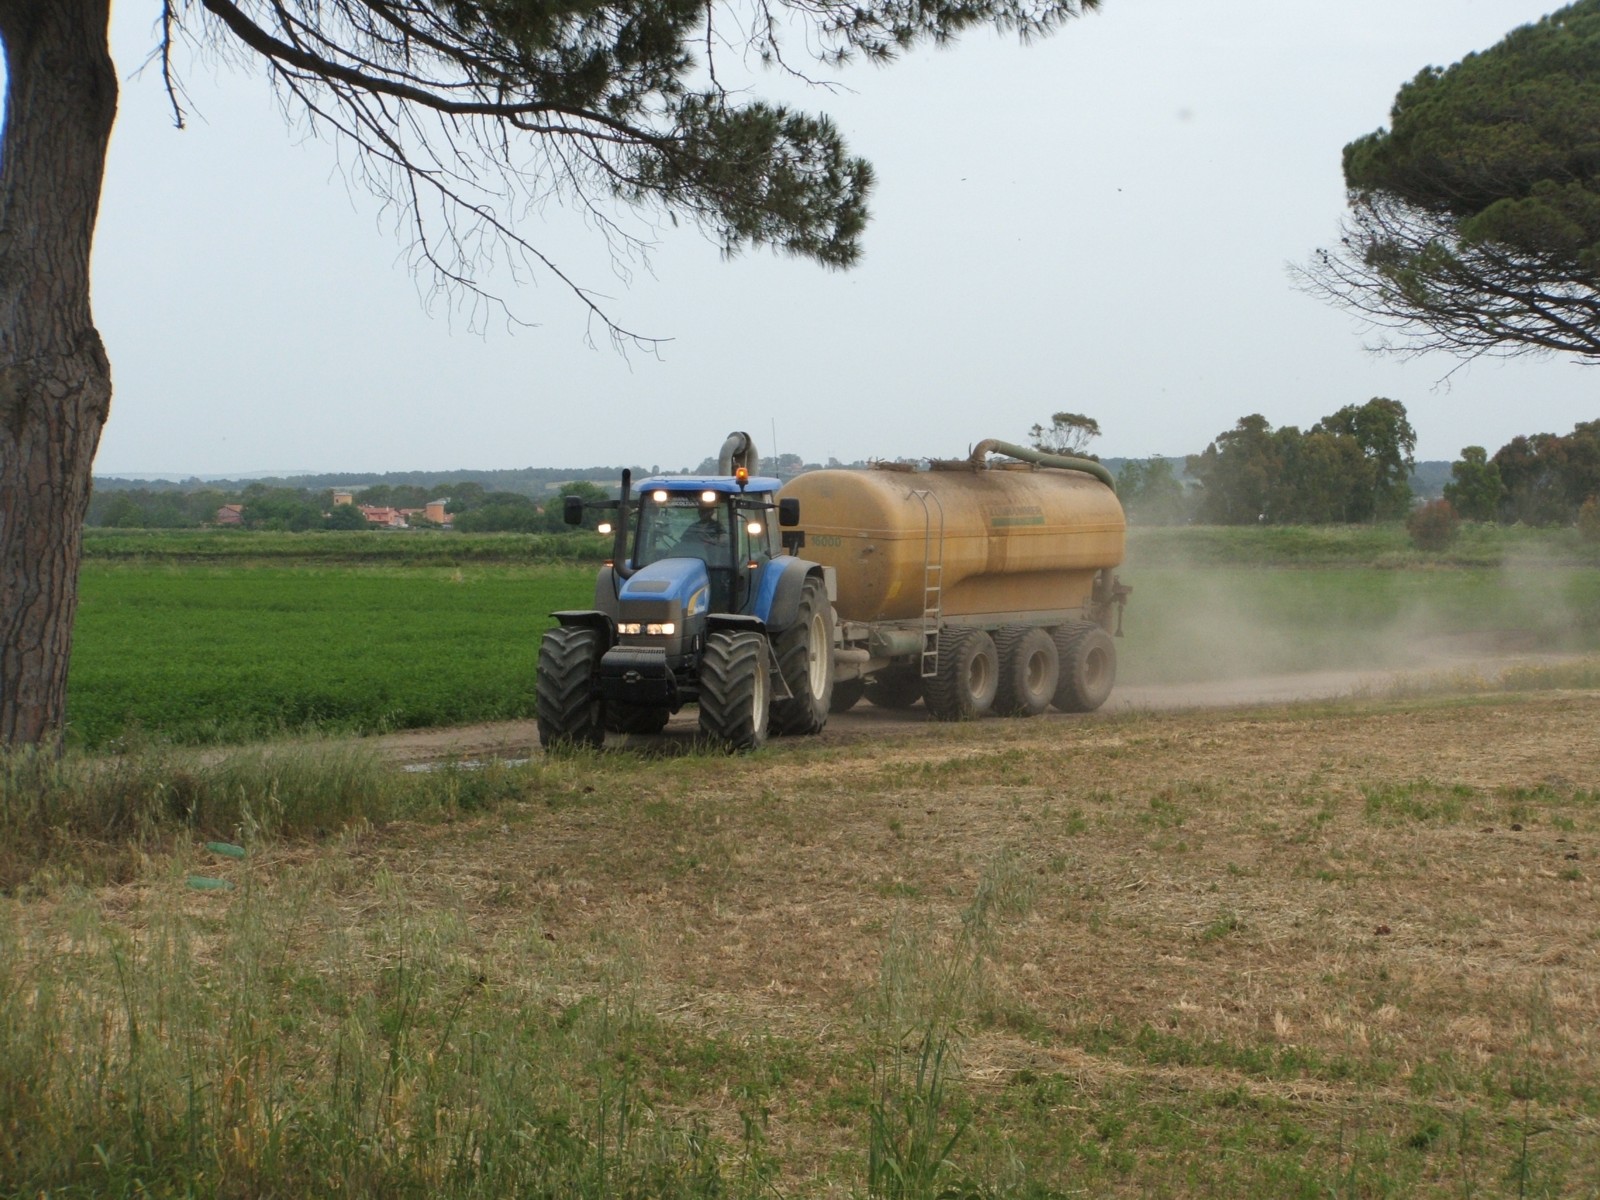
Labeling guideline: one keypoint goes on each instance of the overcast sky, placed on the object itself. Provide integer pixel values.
(1100, 222)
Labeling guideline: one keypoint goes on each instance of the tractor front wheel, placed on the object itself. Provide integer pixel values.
(567, 692)
(734, 689)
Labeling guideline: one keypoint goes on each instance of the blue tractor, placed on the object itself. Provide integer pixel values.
(698, 604)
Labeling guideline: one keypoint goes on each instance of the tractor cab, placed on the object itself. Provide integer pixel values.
(712, 520)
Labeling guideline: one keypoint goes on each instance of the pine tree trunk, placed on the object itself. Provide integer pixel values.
(55, 382)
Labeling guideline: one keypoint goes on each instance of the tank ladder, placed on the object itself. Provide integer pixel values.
(932, 579)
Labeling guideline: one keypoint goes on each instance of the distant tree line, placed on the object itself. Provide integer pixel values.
(1352, 466)
(1355, 465)
(472, 507)
(1542, 479)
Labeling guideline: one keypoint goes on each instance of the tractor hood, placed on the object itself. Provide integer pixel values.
(675, 589)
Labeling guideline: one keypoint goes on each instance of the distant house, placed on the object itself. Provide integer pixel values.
(387, 518)
(343, 497)
(230, 514)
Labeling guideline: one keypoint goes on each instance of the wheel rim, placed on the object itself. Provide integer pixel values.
(1094, 667)
(1036, 672)
(758, 700)
(978, 675)
(816, 655)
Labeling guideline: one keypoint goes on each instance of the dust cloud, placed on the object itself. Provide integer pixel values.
(1215, 635)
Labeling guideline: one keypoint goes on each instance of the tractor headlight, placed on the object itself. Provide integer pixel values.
(627, 627)
(661, 629)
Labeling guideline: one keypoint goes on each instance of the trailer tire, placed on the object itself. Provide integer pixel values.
(567, 701)
(628, 718)
(1088, 667)
(1030, 671)
(735, 690)
(895, 687)
(805, 660)
(846, 692)
(963, 688)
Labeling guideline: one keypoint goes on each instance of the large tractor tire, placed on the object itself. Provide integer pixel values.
(628, 718)
(567, 694)
(805, 660)
(897, 687)
(846, 693)
(1030, 671)
(963, 688)
(735, 693)
(1088, 667)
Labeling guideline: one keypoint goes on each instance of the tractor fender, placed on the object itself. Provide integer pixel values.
(590, 619)
(742, 621)
(778, 593)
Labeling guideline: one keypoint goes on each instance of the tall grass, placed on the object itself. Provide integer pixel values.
(73, 818)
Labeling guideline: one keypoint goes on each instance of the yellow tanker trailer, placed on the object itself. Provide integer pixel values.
(973, 584)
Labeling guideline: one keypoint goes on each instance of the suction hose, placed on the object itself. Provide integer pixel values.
(1039, 458)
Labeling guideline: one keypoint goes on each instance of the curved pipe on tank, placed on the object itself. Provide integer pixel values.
(1040, 458)
(738, 451)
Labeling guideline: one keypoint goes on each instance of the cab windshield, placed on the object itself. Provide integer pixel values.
(682, 527)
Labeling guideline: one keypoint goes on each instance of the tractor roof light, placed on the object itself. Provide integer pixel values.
(659, 495)
(741, 476)
(708, 497)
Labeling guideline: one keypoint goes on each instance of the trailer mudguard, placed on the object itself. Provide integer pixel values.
(777, 596)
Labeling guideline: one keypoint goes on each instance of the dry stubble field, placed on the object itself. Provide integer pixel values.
(1340, 949)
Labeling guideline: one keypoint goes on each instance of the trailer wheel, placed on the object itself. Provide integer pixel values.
(567, 692)
(734, 689)
(969, 672)
(1088, 666)
(845, 694)
(1030, 671)
(805, 660)
(897, 687)
(628, 718)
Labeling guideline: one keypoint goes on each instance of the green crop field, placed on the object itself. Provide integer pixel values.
(216, 637)
(189, 653)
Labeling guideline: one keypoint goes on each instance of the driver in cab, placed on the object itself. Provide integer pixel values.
(705, 535)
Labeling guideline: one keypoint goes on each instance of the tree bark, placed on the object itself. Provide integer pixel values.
(55, 380)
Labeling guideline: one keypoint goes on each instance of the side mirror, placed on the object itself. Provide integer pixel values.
(789, 512)
(572, 510)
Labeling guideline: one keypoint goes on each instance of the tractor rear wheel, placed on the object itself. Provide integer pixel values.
(805, 660)
(896, 687)
(567, 691)
(1030, 671)
(1088, 667)
(969, 671)
(846, 692)
(734, 689)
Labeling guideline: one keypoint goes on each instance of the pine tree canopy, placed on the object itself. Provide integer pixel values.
(463, 111)
(1474, 223)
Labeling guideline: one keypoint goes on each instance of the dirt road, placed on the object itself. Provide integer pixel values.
(518, 739)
